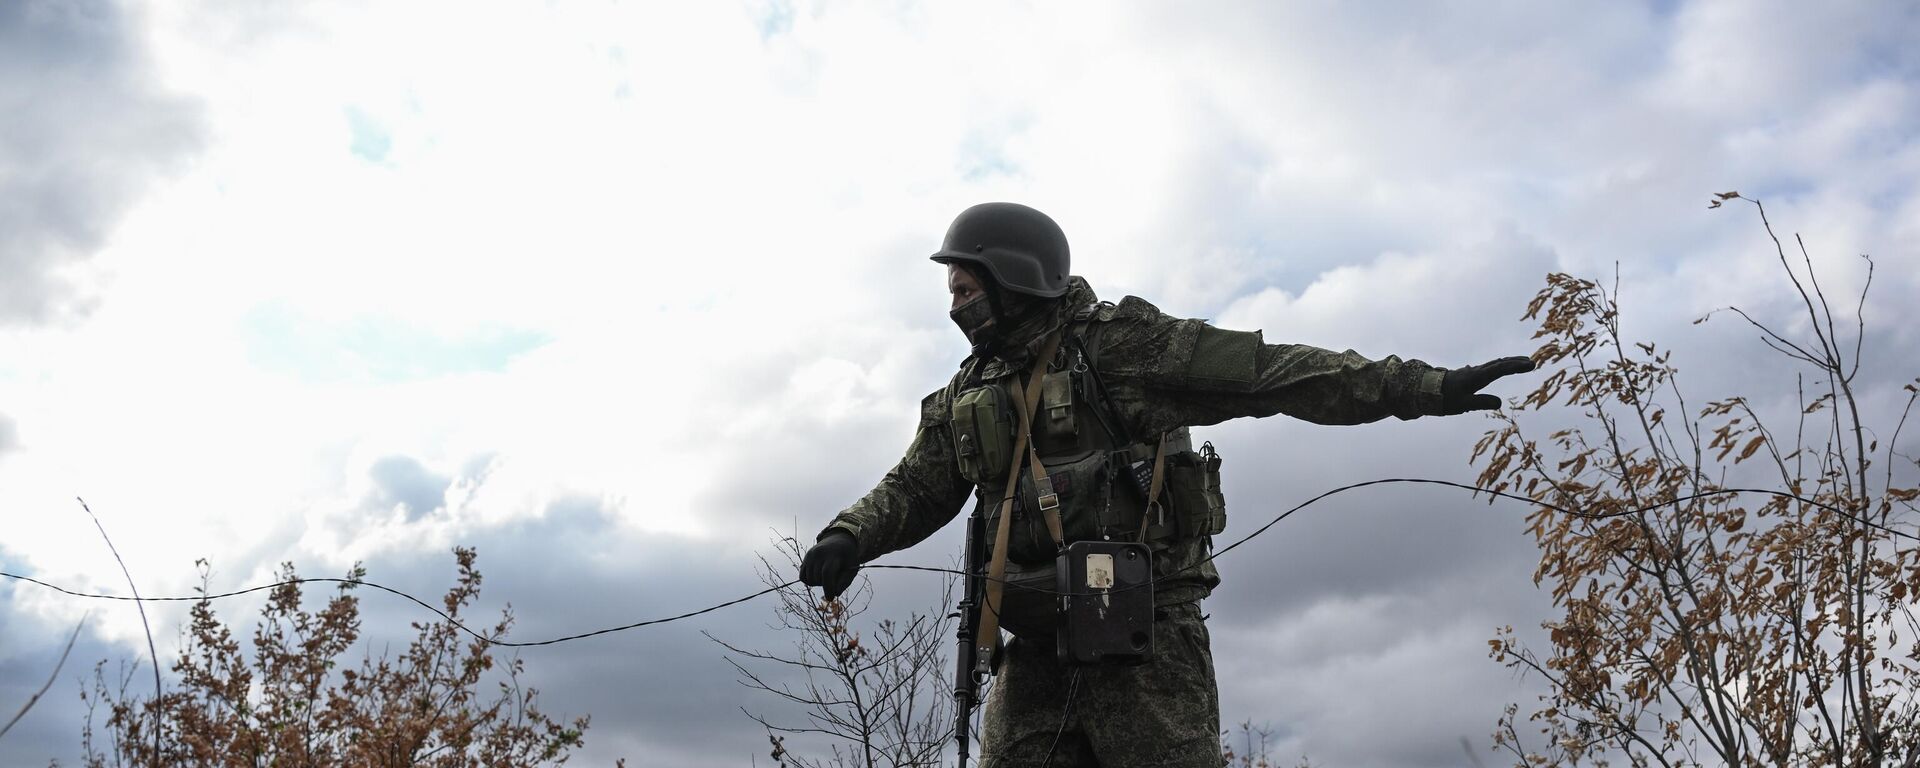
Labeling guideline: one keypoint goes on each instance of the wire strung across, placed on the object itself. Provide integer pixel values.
(1216, 555)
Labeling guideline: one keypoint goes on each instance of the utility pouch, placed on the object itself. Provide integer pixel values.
(1106, 603)
(1056, 405)
(1193, 485)
(983, 425)
(1027, 607)
(1079, 484)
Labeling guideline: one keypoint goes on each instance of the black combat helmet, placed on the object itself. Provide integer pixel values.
(1023, 249)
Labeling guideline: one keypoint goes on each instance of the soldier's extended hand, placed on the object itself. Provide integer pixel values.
(831, 563)
(1458, 387)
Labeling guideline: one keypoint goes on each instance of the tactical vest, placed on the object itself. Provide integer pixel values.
(1099, 470)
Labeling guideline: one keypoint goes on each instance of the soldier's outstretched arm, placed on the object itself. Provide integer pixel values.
(1194, 374)
(918, 496)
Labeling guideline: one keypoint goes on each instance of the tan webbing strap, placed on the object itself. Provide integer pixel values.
(1043, 486)
(1154, 487)
(988, 638)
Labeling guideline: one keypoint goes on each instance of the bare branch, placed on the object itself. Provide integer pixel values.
(35, 698)
(144, 626)
(1860, 318)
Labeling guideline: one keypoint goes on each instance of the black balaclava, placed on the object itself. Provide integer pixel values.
(1011, 314)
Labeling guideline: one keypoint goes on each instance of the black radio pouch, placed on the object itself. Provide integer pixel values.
(1106, 603)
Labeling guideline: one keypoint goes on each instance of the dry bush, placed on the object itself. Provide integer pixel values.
(1254, 749)
(291, 702)
(882, 699)
(1724, 629)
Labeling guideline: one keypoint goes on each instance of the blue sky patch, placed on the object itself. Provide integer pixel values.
(370, 140)
(776, 18)
(380, 349)
(983, 153)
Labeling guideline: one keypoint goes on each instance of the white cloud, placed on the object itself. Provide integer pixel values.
(89, 131)
(707, 226)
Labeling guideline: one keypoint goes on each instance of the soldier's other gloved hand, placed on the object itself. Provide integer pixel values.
(831, 563)
(1458, 387)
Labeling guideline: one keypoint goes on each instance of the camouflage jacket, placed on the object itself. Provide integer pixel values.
(1162, 373)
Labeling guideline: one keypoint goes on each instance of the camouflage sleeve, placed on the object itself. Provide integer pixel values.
(1192, 374)
(917, 497)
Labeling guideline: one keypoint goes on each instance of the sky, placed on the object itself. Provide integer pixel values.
(621, 293)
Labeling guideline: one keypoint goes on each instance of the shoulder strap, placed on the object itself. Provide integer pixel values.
(1028, 398)
(1042, 485)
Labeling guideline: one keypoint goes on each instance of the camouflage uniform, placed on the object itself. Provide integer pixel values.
(1162, 374)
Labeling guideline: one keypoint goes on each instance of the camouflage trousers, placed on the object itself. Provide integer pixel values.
(1164, 714)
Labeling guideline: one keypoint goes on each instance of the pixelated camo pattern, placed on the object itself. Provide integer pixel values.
(1163, 714)
(1162, 372)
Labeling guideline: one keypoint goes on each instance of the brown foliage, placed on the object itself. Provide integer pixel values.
(1709, 631)
(293, 703)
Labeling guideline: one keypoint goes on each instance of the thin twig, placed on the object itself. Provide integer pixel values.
(144, 626)
(1860, 315)
(35, 698)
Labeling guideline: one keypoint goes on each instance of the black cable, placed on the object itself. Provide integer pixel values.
(1563, 510)
(443, 614)
(1302, 505)
(1218, 553)
(1066, 711)
(1073, 685)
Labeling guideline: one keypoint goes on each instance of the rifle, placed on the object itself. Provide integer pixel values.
(971, 666)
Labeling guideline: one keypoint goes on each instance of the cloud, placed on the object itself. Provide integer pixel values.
(572, 568)
(51, 730)
(30, 650)
(613, 306)
(652, 691)
(89, 129)
(402, 484)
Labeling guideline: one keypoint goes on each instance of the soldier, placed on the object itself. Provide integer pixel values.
(1120, 388)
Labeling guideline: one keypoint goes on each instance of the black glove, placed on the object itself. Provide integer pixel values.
(831, 563)
(1457, 388)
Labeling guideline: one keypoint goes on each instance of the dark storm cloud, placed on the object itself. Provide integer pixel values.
(1377, 603)
(51, 730)
(87, 130)
(403, 483)
(651, 691)
(30, 649)
(654, 692)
